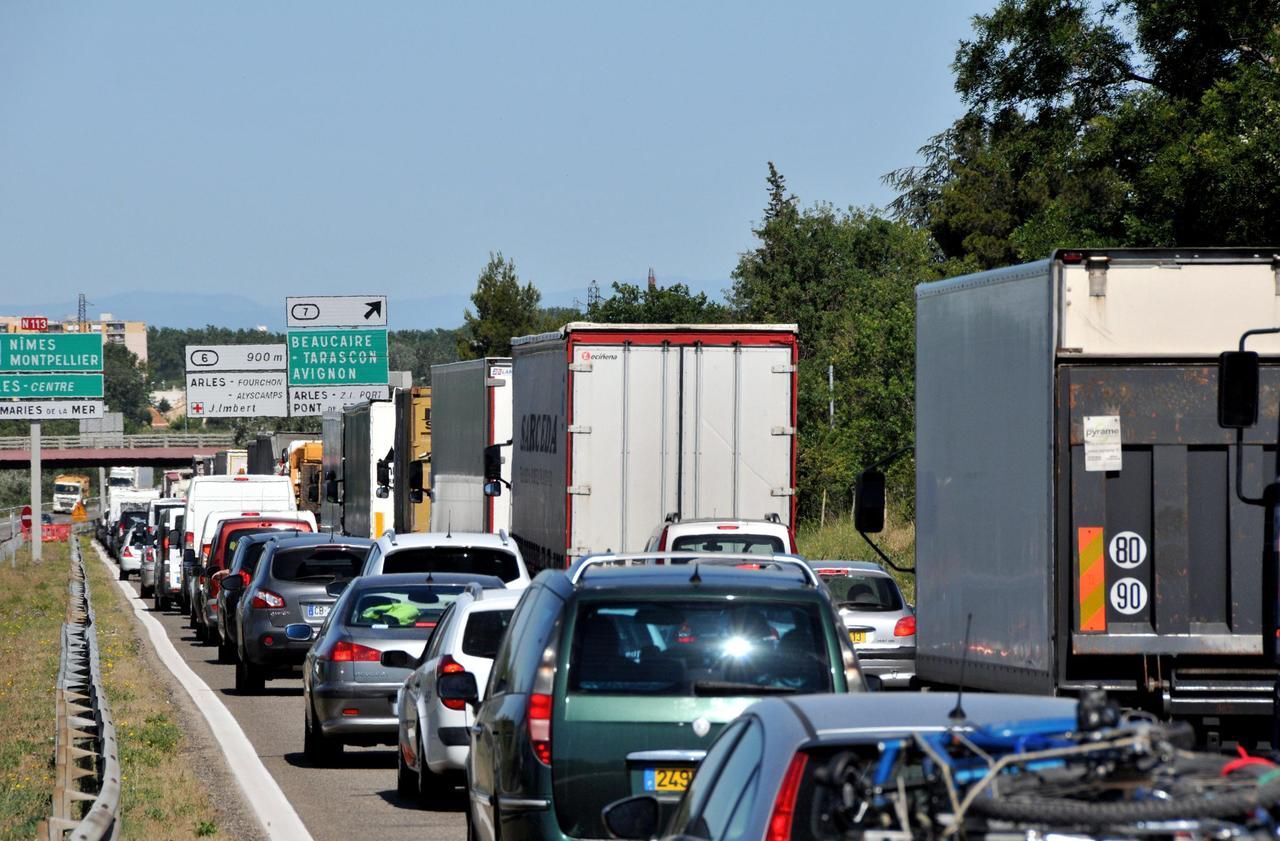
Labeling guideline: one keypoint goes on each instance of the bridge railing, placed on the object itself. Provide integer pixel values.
(128, 442)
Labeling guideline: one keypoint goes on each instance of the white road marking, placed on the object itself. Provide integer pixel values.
(269, 805)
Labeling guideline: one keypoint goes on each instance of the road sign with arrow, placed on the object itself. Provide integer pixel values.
(336, 311)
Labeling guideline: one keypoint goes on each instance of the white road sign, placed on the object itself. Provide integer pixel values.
(336, 311)
(308, 401)
(237, 358)
(50, 409)
(237, 395)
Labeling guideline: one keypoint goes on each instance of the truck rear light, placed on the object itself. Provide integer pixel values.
(354, 652)
(266, 600)
(906, 627)
(784, 806)
(164, 544)
(540, 726)
(446, 665)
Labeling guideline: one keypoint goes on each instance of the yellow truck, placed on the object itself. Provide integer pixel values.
(69, 490)
(304, 458)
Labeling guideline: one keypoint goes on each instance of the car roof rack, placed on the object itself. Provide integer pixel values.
(650, 559)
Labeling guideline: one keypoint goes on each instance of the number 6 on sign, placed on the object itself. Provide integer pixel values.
(1129, 596)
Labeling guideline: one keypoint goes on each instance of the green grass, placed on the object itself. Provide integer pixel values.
(837, 540)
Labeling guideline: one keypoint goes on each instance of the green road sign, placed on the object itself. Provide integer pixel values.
(338, 357)
(50, 385)
(51, 352)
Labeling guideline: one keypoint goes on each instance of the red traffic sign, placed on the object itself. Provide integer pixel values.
(38, 323)
(26, 518)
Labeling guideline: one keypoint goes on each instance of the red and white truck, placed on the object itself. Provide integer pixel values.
(617, 427)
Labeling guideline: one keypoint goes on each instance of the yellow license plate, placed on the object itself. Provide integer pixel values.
(667, 779)
(858, 636)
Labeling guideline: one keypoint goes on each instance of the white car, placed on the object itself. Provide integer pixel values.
(478, 552)
(132, 548)
(765, 537)
(434, 735)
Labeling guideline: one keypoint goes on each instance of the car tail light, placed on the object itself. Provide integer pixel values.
(540, 726)
(266, 600)
(662, 541)
(241, 478)
(244, 576)
(906, 627)
(204, 552)
(164, 544)
(446, 665)
(354, 652)
(188, 540)
(784, 807)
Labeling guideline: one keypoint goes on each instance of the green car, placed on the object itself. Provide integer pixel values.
(615, 677)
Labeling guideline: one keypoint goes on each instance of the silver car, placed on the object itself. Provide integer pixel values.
(881, 625)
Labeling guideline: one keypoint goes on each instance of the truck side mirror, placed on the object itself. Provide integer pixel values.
(493, 464)
(331, 486)
(1238, 389)
(313, 488)
(415, 481)
(868, 505)
(493, 489)
(384, 479)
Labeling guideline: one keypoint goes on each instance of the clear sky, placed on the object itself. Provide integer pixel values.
(265, 149)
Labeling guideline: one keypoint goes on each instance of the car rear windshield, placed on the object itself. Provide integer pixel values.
(475, 559)
(252, 554)
(131, 517)
(234, 538)
(698, 647)
(407, 606)
(864, 592)
(756, 544)
(318, 563)
(484, 631)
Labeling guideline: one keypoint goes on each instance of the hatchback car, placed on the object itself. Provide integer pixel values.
(613, 681)
(879, 621)
(705, 534)
(244, 562)
(349, 684)
(434, 736)
(132, 547)
(472, 552)
(760, 781)
(291, 586)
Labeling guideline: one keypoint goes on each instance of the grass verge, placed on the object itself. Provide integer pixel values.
(160, 795)
(33, 604)
(837, 540)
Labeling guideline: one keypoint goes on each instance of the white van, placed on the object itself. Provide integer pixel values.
(207, 494)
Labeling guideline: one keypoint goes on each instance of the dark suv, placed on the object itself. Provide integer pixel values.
(244, 563)
(291, 586)
(613, 681)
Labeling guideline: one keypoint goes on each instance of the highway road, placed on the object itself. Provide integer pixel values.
(354, 799)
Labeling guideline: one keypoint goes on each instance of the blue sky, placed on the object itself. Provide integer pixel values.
(264, 149)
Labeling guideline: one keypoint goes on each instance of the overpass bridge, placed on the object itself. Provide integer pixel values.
(97, 449)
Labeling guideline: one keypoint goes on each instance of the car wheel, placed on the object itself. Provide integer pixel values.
(146, 592)
(249, 677)
(124, 576)
(406, 780)
(471, 822)
(226, 652)
(317, 747)
(202, 633)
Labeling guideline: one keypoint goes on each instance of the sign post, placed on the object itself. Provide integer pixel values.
(37, 529)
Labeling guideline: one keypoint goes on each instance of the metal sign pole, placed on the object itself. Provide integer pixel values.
(37, 527)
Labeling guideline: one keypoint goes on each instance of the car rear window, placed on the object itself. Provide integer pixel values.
(484, 632)
(756, 544)
(697, 647)
(252, 554)
(234, 538)
(317, 563)
(453, 559)
(407, 606)
(864, 592)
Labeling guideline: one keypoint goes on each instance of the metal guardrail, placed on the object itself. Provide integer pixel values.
(128, 442)
(86, 760)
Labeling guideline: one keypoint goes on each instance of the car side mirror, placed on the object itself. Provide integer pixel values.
(493, 464)
(1238, 389)
(458, 686)
(337, 587)
(397, 660)
(874, 683)
(493, 489)
(868, 511)
(633, 818)
(233, 584)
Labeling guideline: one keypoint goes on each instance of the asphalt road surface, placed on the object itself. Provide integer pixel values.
(356, 798)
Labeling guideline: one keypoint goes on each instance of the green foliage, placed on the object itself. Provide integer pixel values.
(418, 350)
(503, 309)
(847, 278)
(631, 304)
(125, 387)
(1125, 123)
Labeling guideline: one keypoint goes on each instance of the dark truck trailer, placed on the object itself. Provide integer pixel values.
(1075, 494)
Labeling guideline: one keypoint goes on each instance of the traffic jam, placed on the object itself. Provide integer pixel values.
(558, 595)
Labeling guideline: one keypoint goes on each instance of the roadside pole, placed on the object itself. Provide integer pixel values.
(37, 526)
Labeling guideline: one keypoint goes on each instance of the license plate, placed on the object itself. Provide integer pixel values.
(317, 611)
(858, 636)
(667, 779)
